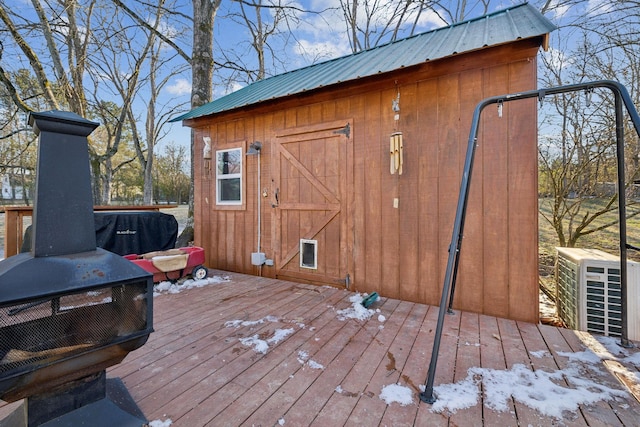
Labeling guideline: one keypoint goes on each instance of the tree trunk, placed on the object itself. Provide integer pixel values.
(204, 12)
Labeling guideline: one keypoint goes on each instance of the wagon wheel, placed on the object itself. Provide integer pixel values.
(199, 272)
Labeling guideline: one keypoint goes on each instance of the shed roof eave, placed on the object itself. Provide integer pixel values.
(523, 22)
(192, 121)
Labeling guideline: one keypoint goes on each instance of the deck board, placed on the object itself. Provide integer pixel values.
(330, 372)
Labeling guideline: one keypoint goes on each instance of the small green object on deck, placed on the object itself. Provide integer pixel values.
(370, 299)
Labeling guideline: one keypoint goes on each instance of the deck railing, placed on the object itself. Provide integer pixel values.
(14, 222)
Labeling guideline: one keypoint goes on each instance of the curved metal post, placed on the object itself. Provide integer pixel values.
(621, 97)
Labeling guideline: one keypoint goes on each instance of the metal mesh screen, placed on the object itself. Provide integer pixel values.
(44, 331)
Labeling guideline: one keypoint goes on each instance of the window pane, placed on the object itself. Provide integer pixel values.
(229, 190)
(229, 176)
(229, 162)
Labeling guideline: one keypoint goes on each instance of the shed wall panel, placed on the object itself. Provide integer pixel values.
(430, 260)
(366, 143)
(408, 198)
(495, 193)
(471, 85)
(401, 251)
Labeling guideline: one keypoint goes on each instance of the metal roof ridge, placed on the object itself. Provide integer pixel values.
(460, 41)
(513, 25)
(310, 77)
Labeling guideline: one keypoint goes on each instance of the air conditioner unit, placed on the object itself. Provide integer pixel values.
(589, 295)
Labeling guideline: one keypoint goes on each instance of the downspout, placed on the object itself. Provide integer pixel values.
(258, 258)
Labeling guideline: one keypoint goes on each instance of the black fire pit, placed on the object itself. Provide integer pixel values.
(68, 310)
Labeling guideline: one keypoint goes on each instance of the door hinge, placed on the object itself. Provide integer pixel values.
(344, 131)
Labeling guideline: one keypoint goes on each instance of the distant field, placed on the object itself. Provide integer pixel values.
(180, 213)
(607, 240)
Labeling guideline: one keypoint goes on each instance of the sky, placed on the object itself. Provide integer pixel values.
(318, 37)
(309, 38)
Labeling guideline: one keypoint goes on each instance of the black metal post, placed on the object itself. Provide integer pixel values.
(622, 219)
(454, 248)
(621, 97)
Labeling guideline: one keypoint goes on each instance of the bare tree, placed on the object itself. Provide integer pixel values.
(370, 23)
(172, 183)
(67, 44)
(577, 151)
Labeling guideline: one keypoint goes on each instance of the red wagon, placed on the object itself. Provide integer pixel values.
(172, 264)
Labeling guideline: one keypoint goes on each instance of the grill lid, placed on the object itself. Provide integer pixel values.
(23, 277)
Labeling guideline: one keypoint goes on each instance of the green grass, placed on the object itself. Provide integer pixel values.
(607, 240)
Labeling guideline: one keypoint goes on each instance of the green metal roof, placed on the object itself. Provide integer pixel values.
(518, 22)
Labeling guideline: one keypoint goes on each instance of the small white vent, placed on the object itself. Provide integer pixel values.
(309, 254)
(590, 294)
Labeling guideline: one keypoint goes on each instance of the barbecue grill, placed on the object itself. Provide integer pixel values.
(68, 310)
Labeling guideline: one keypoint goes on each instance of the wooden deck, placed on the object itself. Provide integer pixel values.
(195, 370)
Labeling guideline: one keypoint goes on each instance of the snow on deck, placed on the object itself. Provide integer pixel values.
(243, 350)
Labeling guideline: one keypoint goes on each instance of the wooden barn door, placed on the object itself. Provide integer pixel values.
(313, 177)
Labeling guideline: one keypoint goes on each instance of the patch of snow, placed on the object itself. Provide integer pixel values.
(279, 335)
(260, 345)
(158, 423)
(314, 365)
(540, 354)
(281, 421)
(547, 307)
(609, 348)
(239, 323)
(356, 311)
(396, 393)
(302, 356)
(455, 396)
(540, 390)
(586, 356)
(634, 359)
(339, 389)
(167, 287)
(381, 318)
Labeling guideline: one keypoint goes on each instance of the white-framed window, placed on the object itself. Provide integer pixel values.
(229, 176)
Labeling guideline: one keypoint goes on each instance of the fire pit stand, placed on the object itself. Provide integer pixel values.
(68, 310)
(90, 401)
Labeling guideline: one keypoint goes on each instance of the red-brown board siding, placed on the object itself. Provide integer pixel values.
(400, 252)
(408, 196)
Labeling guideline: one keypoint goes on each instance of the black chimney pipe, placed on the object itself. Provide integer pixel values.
(67, 216)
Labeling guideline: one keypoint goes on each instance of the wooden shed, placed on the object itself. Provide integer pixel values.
(347, 172)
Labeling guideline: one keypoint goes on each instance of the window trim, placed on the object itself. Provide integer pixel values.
(231, 204)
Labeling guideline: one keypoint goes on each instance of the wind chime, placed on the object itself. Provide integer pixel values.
(395, 141)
